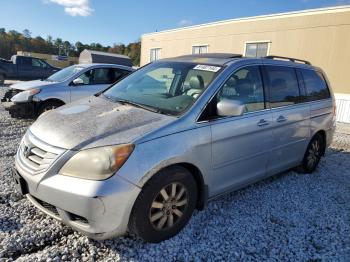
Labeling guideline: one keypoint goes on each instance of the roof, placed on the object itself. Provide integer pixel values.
(334, 9)
(103, 65)
(224, 58)
(105, 53)
(209, 58)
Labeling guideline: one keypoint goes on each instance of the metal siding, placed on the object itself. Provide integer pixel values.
(343, 108)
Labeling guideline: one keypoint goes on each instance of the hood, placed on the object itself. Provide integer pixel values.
(93, 122)
(31, 84)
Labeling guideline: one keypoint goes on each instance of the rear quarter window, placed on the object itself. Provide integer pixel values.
(315, 85)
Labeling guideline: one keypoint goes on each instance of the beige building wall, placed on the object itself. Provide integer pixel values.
(321, 36)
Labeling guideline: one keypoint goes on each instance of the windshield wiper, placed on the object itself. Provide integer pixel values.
(149, 108)
(123, 101)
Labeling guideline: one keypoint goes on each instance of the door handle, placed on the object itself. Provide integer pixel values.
(281, 119)
(263, 122)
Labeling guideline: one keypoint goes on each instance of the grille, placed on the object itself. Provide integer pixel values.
(50, 208)
(36, 156)
(53, 211)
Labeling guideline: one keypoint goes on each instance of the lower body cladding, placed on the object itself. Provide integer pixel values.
(99, 209)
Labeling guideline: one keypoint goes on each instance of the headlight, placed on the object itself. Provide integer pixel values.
(25, 95)
(97, 163)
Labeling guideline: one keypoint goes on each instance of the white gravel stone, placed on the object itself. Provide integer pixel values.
(287, 217)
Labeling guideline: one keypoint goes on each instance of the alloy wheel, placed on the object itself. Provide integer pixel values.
(313, 153)
(168, 206)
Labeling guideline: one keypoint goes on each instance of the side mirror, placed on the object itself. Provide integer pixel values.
(228, 107)
(78, 81)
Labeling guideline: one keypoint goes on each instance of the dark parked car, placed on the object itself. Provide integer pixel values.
(25, 68)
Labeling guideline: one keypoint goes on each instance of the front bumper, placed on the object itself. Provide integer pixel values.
(21, 110)
(99, 209)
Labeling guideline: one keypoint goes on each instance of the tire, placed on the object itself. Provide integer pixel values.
(312, 155)
(153, 218)
(49, 105)
(2, 79)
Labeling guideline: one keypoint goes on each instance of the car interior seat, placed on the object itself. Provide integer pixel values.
(196, 86)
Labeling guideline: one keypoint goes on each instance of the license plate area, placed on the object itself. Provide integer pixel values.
(20, 183)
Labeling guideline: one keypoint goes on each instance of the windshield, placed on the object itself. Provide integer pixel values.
(168, 87)
(65, 73)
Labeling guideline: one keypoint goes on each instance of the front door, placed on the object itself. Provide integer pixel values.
(240, 144)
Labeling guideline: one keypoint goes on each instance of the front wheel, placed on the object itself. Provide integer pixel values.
(313, 154)
(165, 205)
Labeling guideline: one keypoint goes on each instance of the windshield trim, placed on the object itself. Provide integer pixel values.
(75, 66)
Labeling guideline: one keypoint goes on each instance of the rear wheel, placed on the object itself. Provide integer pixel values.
(165, 205)
(49, 105)
(313, 154)
(2, 79)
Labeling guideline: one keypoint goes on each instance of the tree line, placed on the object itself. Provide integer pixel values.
(13, 41)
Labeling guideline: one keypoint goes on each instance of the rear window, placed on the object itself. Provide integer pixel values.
(283, 86)
(315, 85)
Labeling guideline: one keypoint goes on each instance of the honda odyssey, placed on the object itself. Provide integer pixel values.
(143, 154)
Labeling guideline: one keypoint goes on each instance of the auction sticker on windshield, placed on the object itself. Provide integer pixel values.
(207, 68)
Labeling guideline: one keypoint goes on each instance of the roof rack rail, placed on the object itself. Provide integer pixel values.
(288, 58)
(214, 55)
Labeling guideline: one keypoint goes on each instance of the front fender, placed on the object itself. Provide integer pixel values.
(46, 94)
(190, 146)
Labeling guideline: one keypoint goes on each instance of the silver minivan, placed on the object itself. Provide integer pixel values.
(142, 155)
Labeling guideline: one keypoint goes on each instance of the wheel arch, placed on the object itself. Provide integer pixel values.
(41, 103)
(197, 174)
(48, 100)
(202, 197)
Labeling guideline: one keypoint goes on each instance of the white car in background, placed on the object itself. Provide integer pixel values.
(30, 99)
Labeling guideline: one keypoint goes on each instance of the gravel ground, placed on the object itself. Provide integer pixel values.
(287, 217)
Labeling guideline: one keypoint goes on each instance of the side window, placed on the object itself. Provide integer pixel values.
(118, 74)
(102, 76)
(246, 86)
(315, 85)
(87, 77)
(283, 86)
(38, 63)
(26, 61)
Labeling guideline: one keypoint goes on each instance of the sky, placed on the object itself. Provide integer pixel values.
(115, 21)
